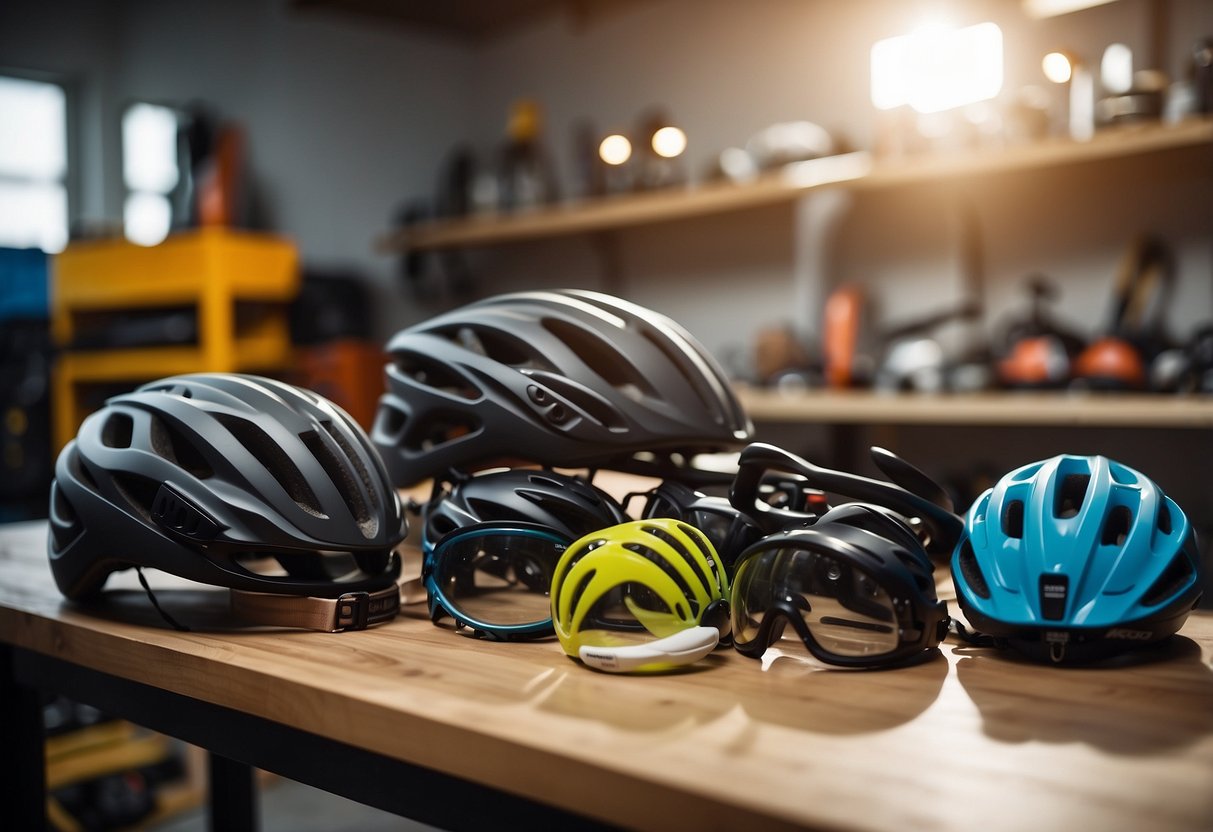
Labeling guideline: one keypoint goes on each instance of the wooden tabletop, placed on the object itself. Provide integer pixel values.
(972, 739)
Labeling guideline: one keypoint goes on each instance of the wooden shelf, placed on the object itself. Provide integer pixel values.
(854, 170)
(1019, 409)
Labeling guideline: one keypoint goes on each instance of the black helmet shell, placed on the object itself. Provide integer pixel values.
(564, 503)
(195, 474)
(571, 378)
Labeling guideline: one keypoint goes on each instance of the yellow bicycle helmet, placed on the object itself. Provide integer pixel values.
(615, 589)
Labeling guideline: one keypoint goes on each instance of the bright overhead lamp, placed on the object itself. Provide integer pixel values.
(1052, 8)
(936, 68)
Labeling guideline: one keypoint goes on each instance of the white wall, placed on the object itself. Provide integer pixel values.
(725, 69)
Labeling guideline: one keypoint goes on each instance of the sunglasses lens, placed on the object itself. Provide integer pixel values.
(500, 578)
(846, 612)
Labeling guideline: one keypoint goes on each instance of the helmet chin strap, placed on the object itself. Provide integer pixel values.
(351, 611)
(683, 647)
(172, 622)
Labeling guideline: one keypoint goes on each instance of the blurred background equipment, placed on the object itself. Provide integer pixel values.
(1035, 349)
(616, 166)
(782, 359)
(25, 381)
(103, 773)
(1135, 335)
(526, 176)
(335, 355)
(662, 146)
(845, 347)
(1076, 104)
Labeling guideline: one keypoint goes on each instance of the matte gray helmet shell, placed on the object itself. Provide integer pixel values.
(196, 475)
(566, 504)
(570, 378)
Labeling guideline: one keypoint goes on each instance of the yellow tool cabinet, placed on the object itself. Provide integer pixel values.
(235, 284)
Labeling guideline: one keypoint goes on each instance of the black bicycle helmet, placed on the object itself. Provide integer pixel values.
(566, 504)
(206, 476)
(1076, 558)
(571, 378)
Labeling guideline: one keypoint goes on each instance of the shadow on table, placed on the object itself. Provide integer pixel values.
(1142, 703)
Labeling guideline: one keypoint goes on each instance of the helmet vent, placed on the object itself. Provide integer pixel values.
(343, 479)
(1012, 519)
(65, 524)
(666, 566)
(174, 447)
(427, 372)
(1164, 518)
(389, 422)
(437, 526)
(542, 481)
(705, 548)
(439, 429)
(1175, 577)
(274, 459)
(578, 522)
(696, 378)
(1070, 495)
(139, 492)
(1116, 526)
(487, 510)
(80, 471)
(496, 345)
(579, 590)
(117, 431)
(601, 357)
(355, 460)
(970, 570)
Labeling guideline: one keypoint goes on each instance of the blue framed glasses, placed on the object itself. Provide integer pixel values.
(494, 578)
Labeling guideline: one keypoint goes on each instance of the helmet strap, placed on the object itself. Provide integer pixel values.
(350, 611)
(172, 622)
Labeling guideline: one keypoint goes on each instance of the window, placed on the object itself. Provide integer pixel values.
(149, 169)
(33, 164)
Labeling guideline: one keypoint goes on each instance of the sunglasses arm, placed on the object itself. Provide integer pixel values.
(683, 647)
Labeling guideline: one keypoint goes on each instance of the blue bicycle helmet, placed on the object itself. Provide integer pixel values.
(1076, 558)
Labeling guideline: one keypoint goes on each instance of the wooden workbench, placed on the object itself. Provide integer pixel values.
(970, 740)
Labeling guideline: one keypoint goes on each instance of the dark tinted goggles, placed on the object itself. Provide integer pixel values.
(814, 587)
(495, 578)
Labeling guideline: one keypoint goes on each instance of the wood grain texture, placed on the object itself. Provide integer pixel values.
(970, 739)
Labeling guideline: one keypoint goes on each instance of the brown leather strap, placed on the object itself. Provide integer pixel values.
(351, 611)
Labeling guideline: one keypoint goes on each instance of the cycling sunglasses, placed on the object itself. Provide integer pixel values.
(910, 493)
(494, 578)
(846, 593)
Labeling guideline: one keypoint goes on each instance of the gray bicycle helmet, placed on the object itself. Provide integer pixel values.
(566, 504)
(207, 476)
(571, 378)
